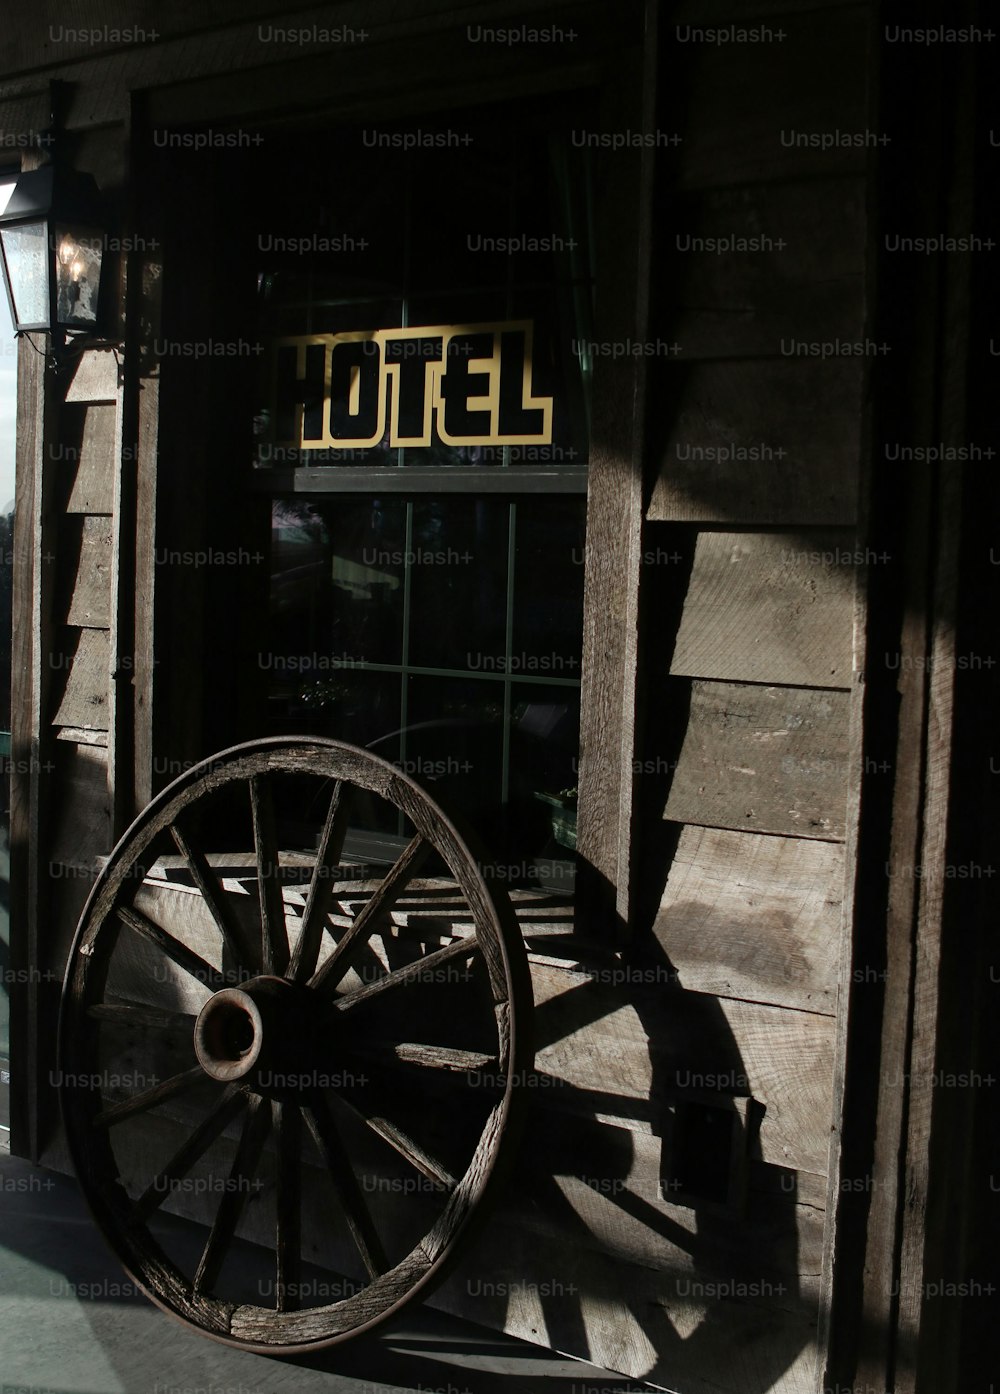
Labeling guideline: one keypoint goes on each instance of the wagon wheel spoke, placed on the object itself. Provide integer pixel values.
(233, 1100)
(288, 1201)
(371, 914)
(214, 897)
(274, 936)
(323, 1127)
(328, 854)
(124, 1013)
(409, 973)
(150, 1098)
(244, 1168)
(179, 953)
(432, 1057)
(418, 1157)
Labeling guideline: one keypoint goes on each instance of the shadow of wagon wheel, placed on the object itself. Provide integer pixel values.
(604, 1249)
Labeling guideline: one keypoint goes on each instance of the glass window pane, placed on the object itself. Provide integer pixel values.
(78, 275)
(548, 585)
(486, 220)
(26, 250)
(458, 598)
(454, 744)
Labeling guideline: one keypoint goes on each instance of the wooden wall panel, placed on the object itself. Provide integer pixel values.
(86, 678)
(87, 441)
(769, 608)
(746, 271)
(741, 109)
(754, 917)
(764, 759)
(95, 378)
(619, 1054)
(86, 545)
(746, 441)
(81, 819)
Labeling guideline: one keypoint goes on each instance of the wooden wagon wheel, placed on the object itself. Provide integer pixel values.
(277, 1073)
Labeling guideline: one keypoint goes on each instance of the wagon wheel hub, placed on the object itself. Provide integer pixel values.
(268, 1033)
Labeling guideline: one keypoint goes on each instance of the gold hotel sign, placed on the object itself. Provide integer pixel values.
(451, 384)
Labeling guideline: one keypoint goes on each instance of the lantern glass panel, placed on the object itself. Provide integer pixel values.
(78, 276)
(26, 254)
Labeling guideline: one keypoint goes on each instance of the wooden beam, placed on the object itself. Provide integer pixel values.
(614, 508)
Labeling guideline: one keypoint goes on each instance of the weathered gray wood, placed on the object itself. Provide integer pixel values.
(31, 678)
(87, 447)
(95, 377)
(86, 677)
(746, 270)
(731, 103)
(140, 409)
(612, 1053)
(614, 507)
(769, 607)
(81, 815)
(689, 1330)
(744, 441)
(80, 735)
(764, 759)
(89, 567)
(755, 917)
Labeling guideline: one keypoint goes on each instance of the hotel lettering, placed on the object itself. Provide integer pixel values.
(427, 385)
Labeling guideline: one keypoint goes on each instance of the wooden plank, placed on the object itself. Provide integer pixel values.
(86, 679)
(600, 1187)
(79, 735)
(140, 410)
(87, 454)
(773, 441)
(31, 677)
(763, 759)
(95, 378)
(615, 1053)
(86, 599)
(761, 111)
(754, 917)
(81, 818)
(614, 509)
(769, 607)
(747, 270)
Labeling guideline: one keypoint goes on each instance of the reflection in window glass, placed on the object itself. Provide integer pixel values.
(444, 633)
(402, 251)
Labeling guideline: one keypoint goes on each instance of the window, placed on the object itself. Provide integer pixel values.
(427, 580)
